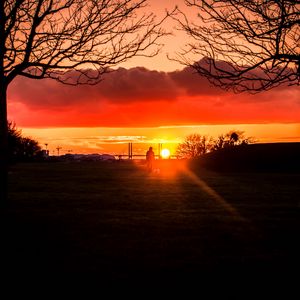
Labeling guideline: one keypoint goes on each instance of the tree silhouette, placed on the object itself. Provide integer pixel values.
(21, 148)
(72, 41)
(230, 139)
(14, 139)
(245, 45)
(193, 146)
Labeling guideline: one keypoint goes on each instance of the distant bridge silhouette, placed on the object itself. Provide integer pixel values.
(130, 154)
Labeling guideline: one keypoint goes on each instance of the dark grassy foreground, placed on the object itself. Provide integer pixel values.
(117, 223)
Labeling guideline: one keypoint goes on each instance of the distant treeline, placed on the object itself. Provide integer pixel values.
(196, 145)
(235, 152)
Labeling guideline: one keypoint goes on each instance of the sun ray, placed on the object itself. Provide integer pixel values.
(213, 194)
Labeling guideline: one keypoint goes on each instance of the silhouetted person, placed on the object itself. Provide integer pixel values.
(150, 157)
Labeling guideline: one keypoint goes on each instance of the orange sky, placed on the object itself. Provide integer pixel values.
(141, 97)
(115, 140)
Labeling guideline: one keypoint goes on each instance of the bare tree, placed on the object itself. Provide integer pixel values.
(72, 41)
(244, 45)
(193, 146)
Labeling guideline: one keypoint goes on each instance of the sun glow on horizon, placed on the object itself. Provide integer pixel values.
(114, 140)
(165, 153)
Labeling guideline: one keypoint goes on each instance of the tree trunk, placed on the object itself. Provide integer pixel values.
(3, 114)
(3, 145)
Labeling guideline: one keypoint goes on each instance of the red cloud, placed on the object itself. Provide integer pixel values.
(140, 97)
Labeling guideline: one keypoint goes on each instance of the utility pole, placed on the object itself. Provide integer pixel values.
(58, 148)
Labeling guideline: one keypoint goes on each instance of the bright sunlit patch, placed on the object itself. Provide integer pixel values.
(165, 153)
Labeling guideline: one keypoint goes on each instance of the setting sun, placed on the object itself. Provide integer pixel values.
(165, 153)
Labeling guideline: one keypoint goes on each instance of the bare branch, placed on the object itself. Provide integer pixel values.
(244, 45)
(44, 38)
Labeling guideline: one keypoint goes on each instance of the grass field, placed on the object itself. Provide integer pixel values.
(120, 223)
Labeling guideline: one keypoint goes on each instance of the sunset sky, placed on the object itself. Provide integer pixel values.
(147, 101)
